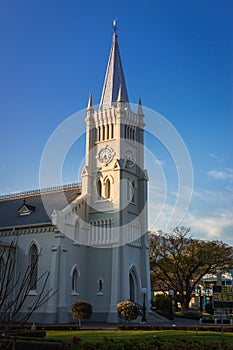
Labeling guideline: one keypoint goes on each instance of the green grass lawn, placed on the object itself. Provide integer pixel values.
(99, 335)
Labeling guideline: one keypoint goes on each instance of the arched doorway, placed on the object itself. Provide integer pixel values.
(133, 286)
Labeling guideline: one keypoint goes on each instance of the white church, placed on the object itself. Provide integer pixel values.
(91, 237)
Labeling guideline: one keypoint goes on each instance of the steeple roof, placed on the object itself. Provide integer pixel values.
(114, 77)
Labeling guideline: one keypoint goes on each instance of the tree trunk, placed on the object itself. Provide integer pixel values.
(185, 303)
(79, 324)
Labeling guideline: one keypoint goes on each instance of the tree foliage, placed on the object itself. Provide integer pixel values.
(81, 310)
(178, 262)
(163, 304)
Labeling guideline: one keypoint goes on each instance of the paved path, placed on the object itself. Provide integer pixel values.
(153, 320)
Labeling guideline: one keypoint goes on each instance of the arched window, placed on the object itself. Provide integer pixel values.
(100, 286)
(107, 189)
(107, 132)
(33, 265)
(133, 285)
(130, 133)
(95, 134)
(112, 131)
(99, 135)
(99, 188)
(131, 288)
(74, 285)
(103, 138)
(133, 134)
(128, 189)
(133, 192)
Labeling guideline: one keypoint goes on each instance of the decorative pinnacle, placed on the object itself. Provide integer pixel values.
(140, 111)
(115, 26)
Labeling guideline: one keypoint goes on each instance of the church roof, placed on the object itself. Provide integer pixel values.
(114, 77)
(11, 214)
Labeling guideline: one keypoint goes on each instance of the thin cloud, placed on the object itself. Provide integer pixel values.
(160, 162)
(210, 227)
(212, 155)
(224, 174)
(214, 224)
(219, 197)
(184, 192)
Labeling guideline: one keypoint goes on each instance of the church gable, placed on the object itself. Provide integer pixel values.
(26, 209)
(85, 171)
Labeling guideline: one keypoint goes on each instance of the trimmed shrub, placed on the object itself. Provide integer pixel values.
(36, 345)
(163, 305)
(155, 343)
(81, 310)
(27, 333)
(128, 310)
(209, 308)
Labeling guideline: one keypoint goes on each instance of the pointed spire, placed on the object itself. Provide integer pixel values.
(90, 103)
(140, 111)
(114, 76)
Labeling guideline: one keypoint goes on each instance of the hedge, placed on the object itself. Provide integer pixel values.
(27, 333)
(155, 343)
(22, 344)
(181, 328)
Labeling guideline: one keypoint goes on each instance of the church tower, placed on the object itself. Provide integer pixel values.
(114, 184)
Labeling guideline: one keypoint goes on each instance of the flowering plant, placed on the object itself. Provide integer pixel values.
(128, 310)
(81, 310)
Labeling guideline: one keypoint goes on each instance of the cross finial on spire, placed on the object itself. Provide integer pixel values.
(115, 25)
(114, 76)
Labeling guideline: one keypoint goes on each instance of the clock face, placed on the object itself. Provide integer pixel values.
(106, 155)
(129, 158)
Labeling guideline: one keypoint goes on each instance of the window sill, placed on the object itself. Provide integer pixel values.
(130, 142)
(33, 292)
(77, 243)
(75, 293)
(102, 141)
(100, 293)
(103, 200)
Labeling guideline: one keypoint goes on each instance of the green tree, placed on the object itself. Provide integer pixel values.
(178, 262)
(163, 305)
(81, 310)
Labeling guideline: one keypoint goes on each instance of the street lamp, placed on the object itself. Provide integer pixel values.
(144, 291)
(171, 316)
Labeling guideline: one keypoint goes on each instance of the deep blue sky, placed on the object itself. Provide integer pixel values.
(177, 56)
